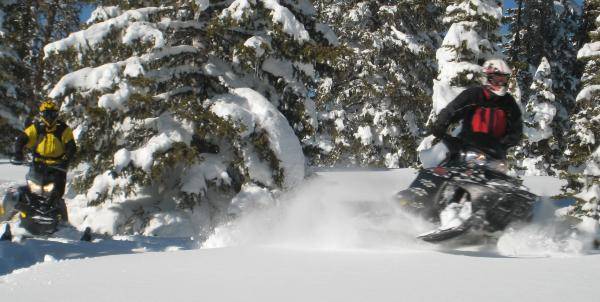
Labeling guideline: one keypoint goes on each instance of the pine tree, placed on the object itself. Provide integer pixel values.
(374, 100)
(14, 72)
(276, 48)
(472, 38)
(539, 146)
(26, 26)
(187, 110)
(584, 140)
(54, 20)
(546, 29)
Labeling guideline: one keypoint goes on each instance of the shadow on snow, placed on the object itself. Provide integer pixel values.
(19, 255)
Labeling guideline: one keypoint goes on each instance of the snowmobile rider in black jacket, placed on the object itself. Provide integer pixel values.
(52, 144)
(491, 118)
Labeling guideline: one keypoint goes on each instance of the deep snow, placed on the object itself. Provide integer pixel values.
(336, 238)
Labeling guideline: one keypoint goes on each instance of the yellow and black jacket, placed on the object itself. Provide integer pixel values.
(50, 145)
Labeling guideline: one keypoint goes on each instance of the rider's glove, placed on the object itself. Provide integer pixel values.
(454, 144)
(438, 130)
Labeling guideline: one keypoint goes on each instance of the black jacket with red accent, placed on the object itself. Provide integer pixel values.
(490, 122)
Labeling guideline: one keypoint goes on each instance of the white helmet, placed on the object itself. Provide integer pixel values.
(497, 73)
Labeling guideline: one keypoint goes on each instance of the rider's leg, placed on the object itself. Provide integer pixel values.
(60, 182)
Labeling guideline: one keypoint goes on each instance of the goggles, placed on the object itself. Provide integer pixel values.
(498, 79)
(50, 115)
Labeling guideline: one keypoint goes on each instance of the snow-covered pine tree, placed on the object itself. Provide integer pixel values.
(540, 29)
(531, 28)
(545, 29)
(584, 140)
(176, 108)
(539, 147)
(277, 48)
(15, 25)
(54, 19)
(472, 38)
(565, 77)
(25, 27)
(374, 101)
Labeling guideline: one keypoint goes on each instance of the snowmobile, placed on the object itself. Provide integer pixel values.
(35, 207)
(469, 193)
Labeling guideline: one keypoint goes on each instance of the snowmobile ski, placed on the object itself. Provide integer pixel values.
(65, 232)
(445, 234)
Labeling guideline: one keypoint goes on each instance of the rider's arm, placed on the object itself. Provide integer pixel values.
(453, 112)
(26, 139)
(69, 142)
(514, 130)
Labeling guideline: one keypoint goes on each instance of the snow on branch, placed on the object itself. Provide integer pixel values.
(587, 93)
(589, 50)
(489, 8)
(279, 13)
(102, 13)
(104, 77)
(238, 9)
(95, 34)
(410, 41)
(86, 79)
(168, 51)
(170, 130)
(145, 32)
(284, 16)
(202, 4)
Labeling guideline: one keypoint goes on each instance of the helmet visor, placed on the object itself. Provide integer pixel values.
(50, 116)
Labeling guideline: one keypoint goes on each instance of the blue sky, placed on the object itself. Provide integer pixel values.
(86, 11)
(509, 4)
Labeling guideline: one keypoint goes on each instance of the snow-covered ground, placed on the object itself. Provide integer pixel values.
(336, 238)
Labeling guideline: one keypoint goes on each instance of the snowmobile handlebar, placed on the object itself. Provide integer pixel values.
(29, 164)
(458, 145)
(16, 162)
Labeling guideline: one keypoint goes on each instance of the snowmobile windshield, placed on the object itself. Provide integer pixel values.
(481, 159)
(40, 182)
(36, 177)
(43, 174)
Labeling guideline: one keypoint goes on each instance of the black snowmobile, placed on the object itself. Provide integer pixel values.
(38, 211)
(469, 193)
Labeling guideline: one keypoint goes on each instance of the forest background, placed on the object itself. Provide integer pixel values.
(193, 110)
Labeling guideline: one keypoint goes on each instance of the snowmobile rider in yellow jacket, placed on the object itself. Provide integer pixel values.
(52, 144)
